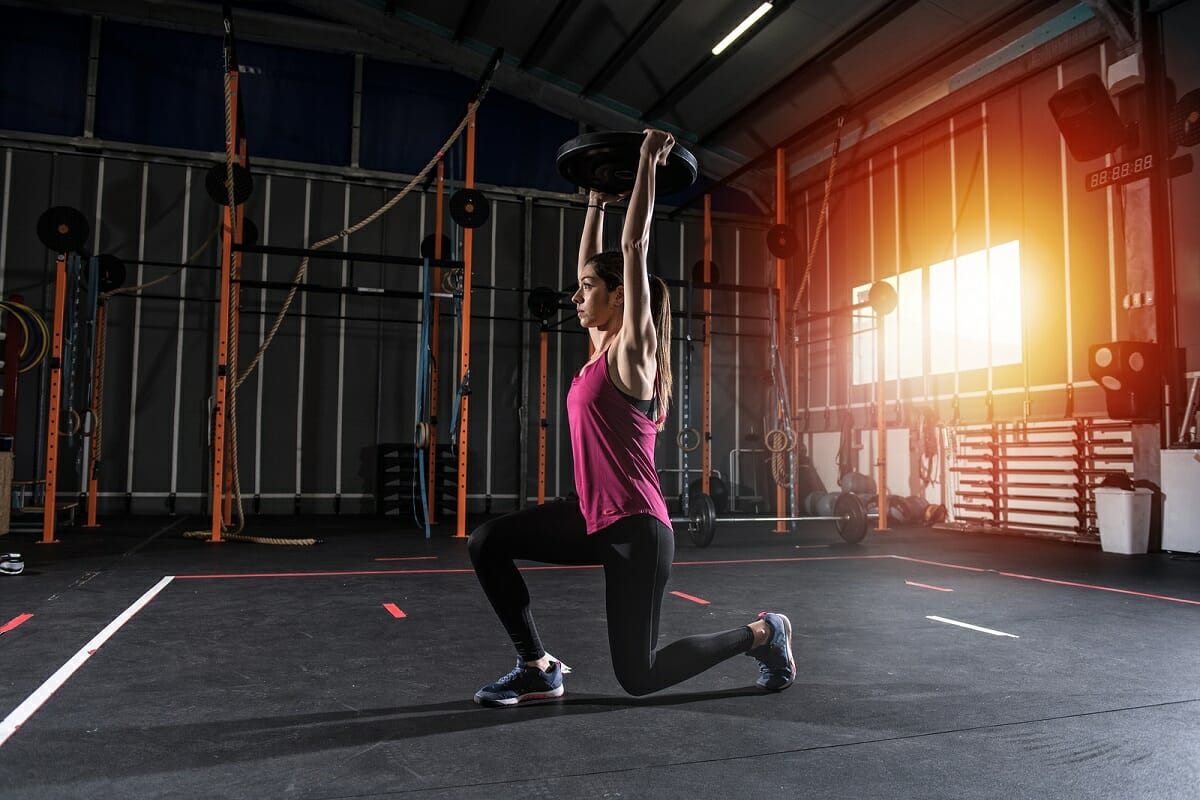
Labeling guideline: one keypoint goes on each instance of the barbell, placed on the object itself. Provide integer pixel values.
(849, 515)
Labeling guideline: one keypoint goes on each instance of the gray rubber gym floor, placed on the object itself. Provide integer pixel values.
(155, 666)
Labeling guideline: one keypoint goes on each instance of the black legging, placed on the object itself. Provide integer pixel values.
(636, 554)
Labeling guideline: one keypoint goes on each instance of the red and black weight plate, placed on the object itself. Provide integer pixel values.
(62, 229)
(469, 208)
(782, 241)
(608, 162)
(243, 184)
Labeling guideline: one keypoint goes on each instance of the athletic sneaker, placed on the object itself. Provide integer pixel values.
(11, 563)
(777, 668)
(522, 684)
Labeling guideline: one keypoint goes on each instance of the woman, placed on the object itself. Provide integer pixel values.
(615, 407)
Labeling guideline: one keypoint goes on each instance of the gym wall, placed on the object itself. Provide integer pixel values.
(973, 177)
(339, 379)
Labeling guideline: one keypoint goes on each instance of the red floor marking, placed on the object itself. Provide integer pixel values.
(1100, 588)
(408, 558)
(927, 586)
(941, 564)
(15, 621)
(394, 611)
(697, 600)
(1054, 581)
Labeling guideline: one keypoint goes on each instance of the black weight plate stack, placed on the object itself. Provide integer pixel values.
(62, 229)
(543, 303)
(429, 246)
(111, 272)
(469, 208)
(781, 241)
(608, 162)
(243, 184)
(1185, 120)
(249, 231)
(714, 272)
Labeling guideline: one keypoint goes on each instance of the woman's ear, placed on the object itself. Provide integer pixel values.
(619, 295)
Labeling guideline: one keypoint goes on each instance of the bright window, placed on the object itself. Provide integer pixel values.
(973, 313)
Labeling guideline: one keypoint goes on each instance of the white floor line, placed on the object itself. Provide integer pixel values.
(973, 627)
(23, 712)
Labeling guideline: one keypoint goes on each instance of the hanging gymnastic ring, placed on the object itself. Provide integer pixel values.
(778, 440)
(688, 439)
(421, 435)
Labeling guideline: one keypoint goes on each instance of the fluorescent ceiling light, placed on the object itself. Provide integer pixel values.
(745, 24)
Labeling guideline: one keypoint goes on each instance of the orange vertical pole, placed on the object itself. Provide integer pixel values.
(54, 409)
(706, 356)
(465, 345)
(543, 422)
(93, 486)
(221, 394)
(881, 421)
(235, 304)
(780, 264)
(435, 280)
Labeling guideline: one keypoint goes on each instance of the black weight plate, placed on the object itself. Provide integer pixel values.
(110, 271)
(543, 303)
(429, 246)
(214, 184)
(469, 208)
(704, 519)
(698, 272)
(1185, 119)
(781, 241)
(249, 231)
(852, 526)
(62, 229)
(608, 162)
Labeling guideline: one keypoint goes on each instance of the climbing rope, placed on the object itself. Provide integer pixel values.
(821, 218)
(298, 280)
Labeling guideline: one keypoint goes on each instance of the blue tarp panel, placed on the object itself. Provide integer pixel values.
(409, 111)
(160, 87)
(43, 71)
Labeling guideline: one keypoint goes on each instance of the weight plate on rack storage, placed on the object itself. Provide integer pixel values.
(543, 303)
(607, 162)
(62, 229)
(698, 272)
(429, 246)
(782, 241)
(469, 208)
(110, 272)
(214, 184)
(249, 231)
(1185, 119)
(853, 523)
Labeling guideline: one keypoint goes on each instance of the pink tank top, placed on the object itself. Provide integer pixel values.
(612, 444)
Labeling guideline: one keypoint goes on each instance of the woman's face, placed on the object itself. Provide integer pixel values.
(595, 305)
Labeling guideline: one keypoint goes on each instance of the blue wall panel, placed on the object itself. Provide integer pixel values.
(43, 71)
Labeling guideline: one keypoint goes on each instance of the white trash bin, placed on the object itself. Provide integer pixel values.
(1123, 517)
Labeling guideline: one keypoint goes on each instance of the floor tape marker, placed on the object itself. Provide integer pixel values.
(394, 610)
(20, 619)
(23, 712)
(973, 627)
(697, 600)
(927, 586)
